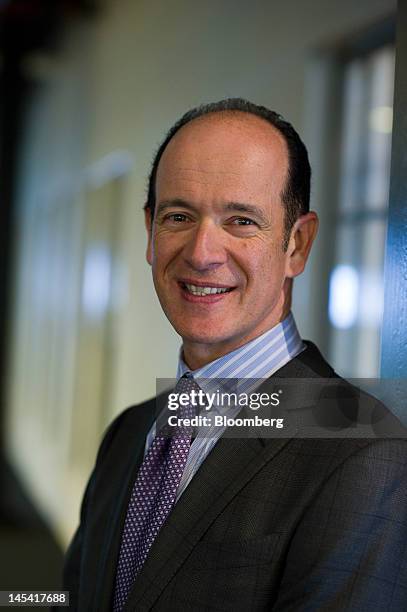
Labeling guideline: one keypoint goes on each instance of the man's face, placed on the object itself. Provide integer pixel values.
(216, 247)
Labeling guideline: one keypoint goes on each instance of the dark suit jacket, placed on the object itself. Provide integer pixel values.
(266, 524)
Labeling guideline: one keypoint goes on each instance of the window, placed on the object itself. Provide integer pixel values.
(356, 279)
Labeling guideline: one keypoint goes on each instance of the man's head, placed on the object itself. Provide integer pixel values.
(296, 192)
(227, 211)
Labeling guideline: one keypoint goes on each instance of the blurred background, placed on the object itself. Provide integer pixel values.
(87, 91)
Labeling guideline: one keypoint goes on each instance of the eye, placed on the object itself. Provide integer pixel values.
(242, 221)
(176, 218)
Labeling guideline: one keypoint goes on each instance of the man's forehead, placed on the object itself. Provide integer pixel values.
(225, 143)
(250, 127)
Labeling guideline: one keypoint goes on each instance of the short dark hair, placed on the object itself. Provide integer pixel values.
(296, 193)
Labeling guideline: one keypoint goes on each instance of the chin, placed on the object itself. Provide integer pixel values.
(199, 336)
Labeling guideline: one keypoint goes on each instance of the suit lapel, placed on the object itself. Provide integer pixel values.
(121, 477)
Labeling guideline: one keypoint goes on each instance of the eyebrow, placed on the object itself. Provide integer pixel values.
(172, 203)
(230, 206)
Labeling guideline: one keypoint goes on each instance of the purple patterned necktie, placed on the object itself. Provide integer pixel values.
(153, 496)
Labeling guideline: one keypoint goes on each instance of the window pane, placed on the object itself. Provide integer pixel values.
(380, 68)
(356, 286)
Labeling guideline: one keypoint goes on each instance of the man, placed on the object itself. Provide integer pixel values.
(244, 522)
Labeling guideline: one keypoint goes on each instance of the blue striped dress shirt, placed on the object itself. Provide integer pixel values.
(250, 364)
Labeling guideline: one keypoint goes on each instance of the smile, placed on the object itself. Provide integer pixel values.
(201, 291)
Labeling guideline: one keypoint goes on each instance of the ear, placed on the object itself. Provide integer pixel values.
(149, 227)
(302, 236)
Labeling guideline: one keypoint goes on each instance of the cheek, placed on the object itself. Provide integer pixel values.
(161, 245)
(165, 249)
(263, 264)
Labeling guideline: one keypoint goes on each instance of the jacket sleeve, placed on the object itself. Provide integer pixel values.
(74, 554)
(349, 551)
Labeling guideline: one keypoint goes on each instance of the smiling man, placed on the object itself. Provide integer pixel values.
(238, 522)
(222, 255)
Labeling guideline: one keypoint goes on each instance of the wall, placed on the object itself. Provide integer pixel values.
(117, 84)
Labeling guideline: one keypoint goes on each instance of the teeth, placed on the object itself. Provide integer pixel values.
(195, 290)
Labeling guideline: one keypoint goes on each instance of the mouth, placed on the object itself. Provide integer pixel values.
(204, 292)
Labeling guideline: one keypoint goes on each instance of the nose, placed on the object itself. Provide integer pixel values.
(205, 248)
